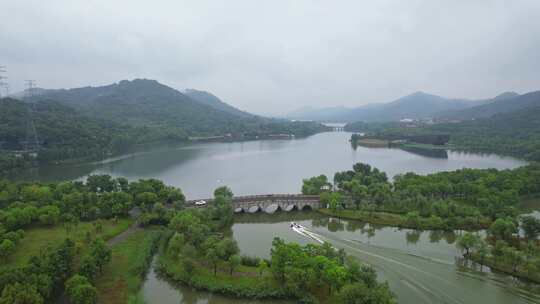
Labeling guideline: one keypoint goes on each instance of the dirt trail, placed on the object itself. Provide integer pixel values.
(124, 235)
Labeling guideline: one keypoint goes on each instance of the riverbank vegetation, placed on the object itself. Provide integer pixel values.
(54, 232)
(514, 133)
(461, 199)
(65, 130)
(504, 249)
(200, 254)
(123, 277)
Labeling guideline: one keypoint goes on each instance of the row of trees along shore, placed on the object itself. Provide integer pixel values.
(461, 199)
(504, 249)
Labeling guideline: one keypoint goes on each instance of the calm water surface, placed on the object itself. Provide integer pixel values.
(270, 166)
(420, 266)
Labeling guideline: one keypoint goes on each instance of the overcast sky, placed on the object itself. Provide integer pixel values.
(275, 56)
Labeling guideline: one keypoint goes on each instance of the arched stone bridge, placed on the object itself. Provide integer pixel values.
(270, 203)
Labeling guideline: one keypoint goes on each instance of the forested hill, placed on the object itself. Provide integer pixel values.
(148, 103)
(63, 133)
(515, 133)
(503, 104)
(213, 101)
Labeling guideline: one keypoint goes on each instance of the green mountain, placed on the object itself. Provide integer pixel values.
(515, 133)
(503, 103)
(63, 133)
(150, 104)
(213, 101)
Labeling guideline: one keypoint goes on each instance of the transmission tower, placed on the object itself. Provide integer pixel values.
(32, 142)
(30, 86)
(2, 82)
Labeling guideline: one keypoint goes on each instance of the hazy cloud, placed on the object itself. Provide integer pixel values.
(275, 56)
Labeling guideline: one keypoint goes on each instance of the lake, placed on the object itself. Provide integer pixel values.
(266, 166)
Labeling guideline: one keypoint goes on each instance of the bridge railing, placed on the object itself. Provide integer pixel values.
(261, 197)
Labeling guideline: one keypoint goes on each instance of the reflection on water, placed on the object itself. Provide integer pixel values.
(434, 153)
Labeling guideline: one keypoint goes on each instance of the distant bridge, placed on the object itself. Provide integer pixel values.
(269, 203)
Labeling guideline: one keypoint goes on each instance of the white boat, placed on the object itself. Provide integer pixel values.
(303, 231)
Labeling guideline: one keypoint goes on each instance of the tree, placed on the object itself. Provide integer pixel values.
(189, 251)
(213, 258)
(482, 251)
(100, 252)
(146, 200)
(467, 241)
(331, 199)
(88, 267)
(80, 291)
(513, 257)
(226, 248)
(175, 244)
(530, 226)
(70, 222)
(335, 276)
(357, 191)
(263, 266)
(316, 185)
(224, 191)
(502, 229)
(6, 248)
(359, 293)
(234, 262)
(20, 293)
(100, 183)
(49, 215)
(189, 265)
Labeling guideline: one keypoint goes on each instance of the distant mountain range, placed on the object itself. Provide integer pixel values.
(504, 103)
(148, 103)
(414, 106)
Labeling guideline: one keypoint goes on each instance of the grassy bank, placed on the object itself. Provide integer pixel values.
(244, 282)
(373, 143)
(122, 279)
(422, 146)
(399, 220)
(38, 237)
(501, 266)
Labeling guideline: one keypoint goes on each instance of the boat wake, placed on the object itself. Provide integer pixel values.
(306, 233)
